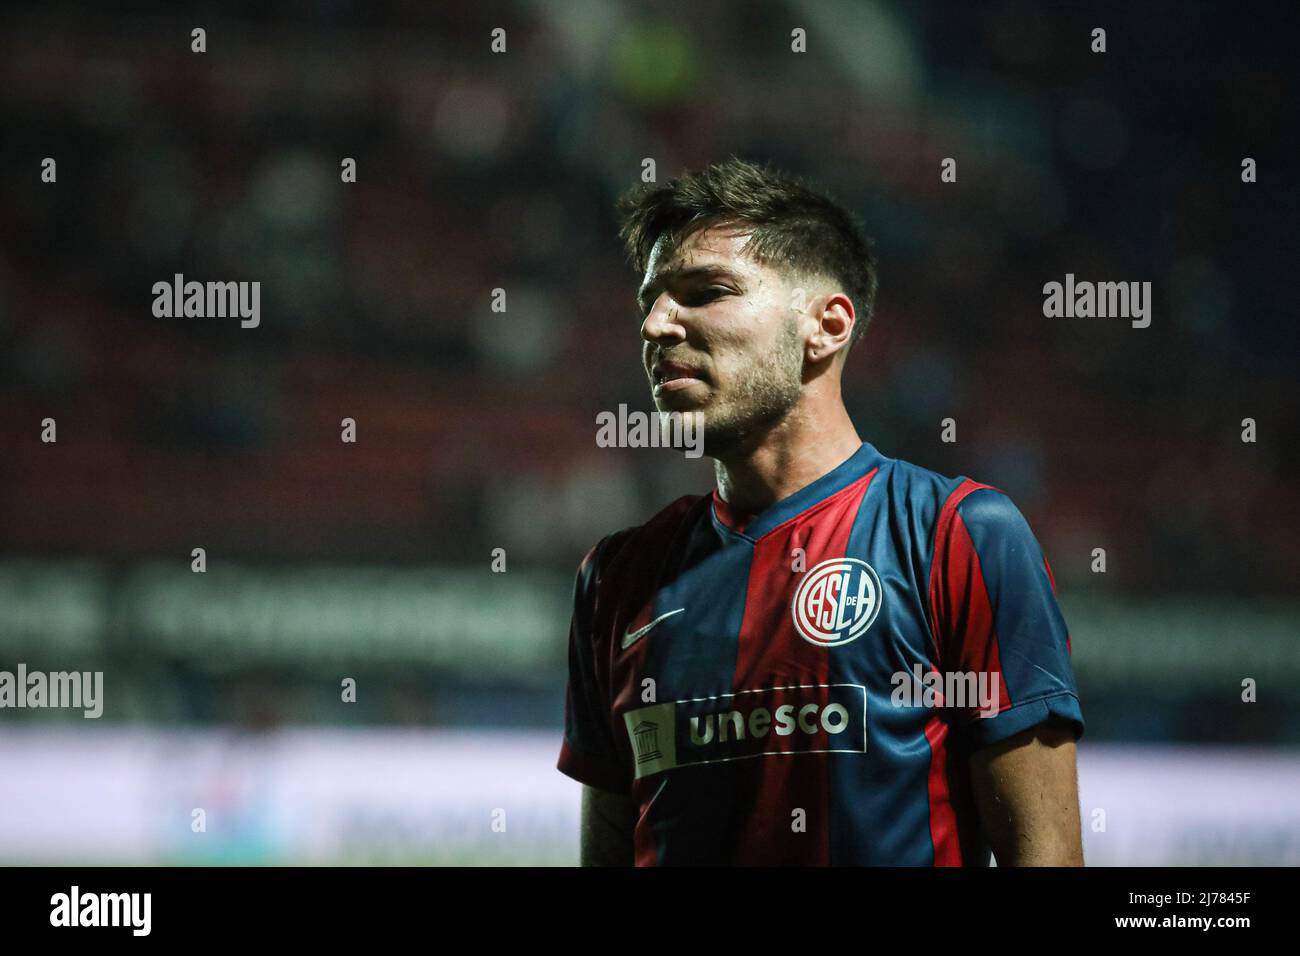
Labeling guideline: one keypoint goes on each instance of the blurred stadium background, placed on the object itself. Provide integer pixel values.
(476, 429)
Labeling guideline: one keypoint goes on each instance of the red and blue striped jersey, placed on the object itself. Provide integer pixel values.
(755, 685)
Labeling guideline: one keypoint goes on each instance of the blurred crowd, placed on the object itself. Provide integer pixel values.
(479, 171)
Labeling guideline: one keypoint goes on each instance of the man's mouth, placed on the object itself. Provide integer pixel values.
(674, 376)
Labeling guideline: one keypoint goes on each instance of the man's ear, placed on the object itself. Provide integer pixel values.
(836, 319)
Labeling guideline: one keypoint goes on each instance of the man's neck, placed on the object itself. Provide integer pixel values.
(789, 456)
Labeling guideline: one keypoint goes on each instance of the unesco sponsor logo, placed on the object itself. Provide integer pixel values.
(811, 718)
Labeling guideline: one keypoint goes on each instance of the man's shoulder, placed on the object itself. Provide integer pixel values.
(940, 503)
(935, 502)
(921, 491)
(651, 537)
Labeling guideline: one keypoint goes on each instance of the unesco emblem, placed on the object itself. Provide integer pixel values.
(836, 602)
(645, 739)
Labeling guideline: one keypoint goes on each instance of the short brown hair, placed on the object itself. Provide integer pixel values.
(793, 225)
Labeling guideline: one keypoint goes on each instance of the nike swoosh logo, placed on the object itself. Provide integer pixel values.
(630, 639)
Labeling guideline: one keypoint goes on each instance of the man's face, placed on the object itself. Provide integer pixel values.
(721, 336)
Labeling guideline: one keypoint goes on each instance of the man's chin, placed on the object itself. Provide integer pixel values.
(728, 436)
(694, 399)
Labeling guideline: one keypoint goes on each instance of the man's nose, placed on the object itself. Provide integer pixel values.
(662, 321)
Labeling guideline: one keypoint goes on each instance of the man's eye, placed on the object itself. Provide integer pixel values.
(701, 296)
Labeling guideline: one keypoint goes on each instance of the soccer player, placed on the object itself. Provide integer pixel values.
(836, 657)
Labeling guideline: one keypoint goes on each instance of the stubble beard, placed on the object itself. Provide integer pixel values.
(766, 393)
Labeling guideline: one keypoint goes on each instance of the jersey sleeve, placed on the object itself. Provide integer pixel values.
(995, 612)
(588, 752)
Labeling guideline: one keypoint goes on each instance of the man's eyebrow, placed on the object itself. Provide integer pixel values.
(679, 274)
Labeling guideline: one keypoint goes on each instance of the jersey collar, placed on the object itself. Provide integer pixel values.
(836, 480)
